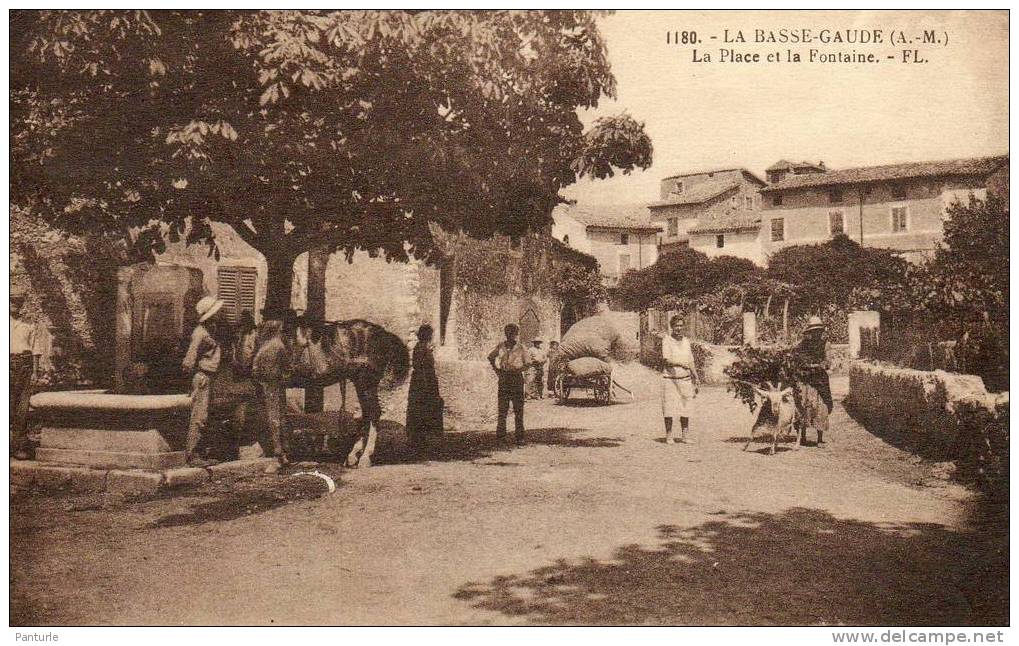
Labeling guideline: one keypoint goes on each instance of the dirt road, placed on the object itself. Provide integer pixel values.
(594, 521)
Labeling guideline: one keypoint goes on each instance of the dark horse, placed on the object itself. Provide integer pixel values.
(323, 353)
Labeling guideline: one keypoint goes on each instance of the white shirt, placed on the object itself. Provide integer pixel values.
(677, 357)
(23, 337)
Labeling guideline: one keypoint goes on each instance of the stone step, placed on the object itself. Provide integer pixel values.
(112, 459)
(90, 439)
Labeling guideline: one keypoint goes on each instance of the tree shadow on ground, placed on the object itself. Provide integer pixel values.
(243, 498)
(393, 445)
(799, 567)
(468, 446)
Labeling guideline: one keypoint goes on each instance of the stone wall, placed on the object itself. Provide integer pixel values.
(938, 415)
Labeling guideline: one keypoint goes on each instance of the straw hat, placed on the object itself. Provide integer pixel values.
(207, 308)
(814, 323)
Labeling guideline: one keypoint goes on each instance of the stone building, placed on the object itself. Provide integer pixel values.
(619, 237)
(716, 212)
(896, 206)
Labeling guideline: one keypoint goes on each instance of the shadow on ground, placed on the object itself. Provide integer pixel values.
(799, 567)
(232, 500)
(394, 448)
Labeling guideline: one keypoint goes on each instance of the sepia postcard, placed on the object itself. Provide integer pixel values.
(552, 317)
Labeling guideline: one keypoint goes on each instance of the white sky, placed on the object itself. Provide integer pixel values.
(714, 115)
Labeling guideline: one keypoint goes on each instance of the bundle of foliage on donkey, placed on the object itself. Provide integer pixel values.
(778, 380)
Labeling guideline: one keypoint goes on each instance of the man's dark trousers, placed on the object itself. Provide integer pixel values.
(511, 389)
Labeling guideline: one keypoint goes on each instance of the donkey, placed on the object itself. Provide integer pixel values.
(324, 353)
(783, 406)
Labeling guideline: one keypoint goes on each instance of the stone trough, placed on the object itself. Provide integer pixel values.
(100, 429)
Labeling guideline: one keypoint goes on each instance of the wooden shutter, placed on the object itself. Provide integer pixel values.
(237, 290)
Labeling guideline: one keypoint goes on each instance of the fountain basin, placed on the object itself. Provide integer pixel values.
(98, 428)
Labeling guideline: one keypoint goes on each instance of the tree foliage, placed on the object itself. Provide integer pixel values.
(830, 272)
(338, 129)
(682, 274)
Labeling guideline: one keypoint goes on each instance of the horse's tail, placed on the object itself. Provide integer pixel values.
(396, 357)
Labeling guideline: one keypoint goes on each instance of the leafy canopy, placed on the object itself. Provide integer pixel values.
(348, 129)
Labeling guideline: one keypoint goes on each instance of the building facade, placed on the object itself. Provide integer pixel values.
(899, 206)
(620, 238)
(715, 212)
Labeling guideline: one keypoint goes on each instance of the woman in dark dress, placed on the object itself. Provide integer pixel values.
(812, 350)
(424, 406)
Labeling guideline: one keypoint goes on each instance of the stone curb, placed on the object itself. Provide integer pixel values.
(50, 476)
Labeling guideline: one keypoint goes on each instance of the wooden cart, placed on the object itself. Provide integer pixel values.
(601, 386)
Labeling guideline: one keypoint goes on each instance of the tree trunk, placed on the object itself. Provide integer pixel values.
(318, 259)
(279, 282)
(785, 320)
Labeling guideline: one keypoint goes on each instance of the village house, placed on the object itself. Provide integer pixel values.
(620, 238)
(782, 168)
(896, 206)
(716, 212)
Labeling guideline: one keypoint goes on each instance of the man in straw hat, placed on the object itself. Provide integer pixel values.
(202, 361)
(812, 349)
(538, 356)
(24, 365)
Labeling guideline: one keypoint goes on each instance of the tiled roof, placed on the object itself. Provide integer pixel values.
(699, 193)
(783, 164)
(731, 221)
(716, 170)
(951, 167)
(634, 217)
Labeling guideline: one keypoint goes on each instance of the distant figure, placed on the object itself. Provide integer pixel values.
(24, 368)
(538, 356)
(812, 349)
(244, 344)
(202, 361)
(424, 405)
(679, 380)
(553, 358)
(509, 359)
(272, 369)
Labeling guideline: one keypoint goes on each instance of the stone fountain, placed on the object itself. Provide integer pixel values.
(142, 422)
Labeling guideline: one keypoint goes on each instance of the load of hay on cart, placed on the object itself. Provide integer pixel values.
(584, 361)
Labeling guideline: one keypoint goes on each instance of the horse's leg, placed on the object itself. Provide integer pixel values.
(373, 416)
(354, 457)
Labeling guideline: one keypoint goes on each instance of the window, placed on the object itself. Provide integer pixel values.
(899, 191)
(566, 239)
(835, 196)
(624, 263)
(777, 229)
(777, 200)
(720, 240)
(678, 188)
(673, 227)
(236, 288)
(749, 202)
(900, 219)
(734, 201)
(836, 223)
(624, 238)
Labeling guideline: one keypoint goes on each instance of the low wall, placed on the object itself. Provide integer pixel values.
(938, 415)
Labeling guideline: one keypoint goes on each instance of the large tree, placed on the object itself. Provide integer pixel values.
(304, 130)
